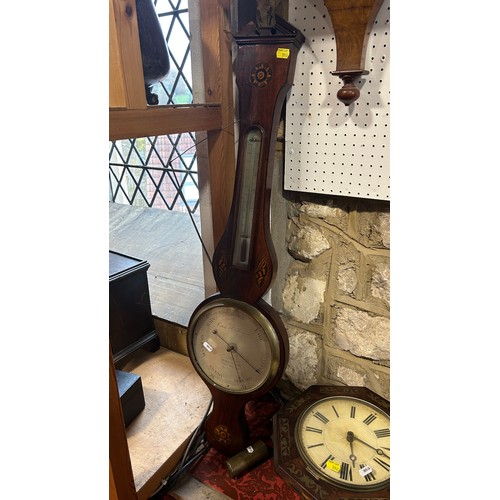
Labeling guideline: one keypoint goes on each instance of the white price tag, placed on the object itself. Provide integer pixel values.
(208, 347)
(365, 470)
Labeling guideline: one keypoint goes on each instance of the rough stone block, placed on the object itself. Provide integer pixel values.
(374, 229)
(330, 212)
(339, 369)
(305, 242)
(303, 297)
(361, 333)
(379, 279)
(347, 259)
(302, 369)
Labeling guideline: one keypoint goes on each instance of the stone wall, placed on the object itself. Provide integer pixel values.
(333, 289)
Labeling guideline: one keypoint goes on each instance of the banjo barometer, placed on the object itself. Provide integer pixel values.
(236, 341)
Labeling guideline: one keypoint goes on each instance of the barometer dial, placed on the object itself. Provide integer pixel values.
(234, 347)
(240, 351)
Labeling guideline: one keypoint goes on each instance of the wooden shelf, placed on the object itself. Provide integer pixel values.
(163, 120)
(176, 400)
(129, 114)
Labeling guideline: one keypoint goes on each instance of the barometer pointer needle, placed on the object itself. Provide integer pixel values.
(231, 347)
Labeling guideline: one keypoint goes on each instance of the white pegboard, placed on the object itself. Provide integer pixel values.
(332, 148)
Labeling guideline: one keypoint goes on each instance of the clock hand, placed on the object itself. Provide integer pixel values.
(352, 456)
(378, 450)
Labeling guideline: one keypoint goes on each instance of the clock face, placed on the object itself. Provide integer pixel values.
(233, 346)
(345, 440)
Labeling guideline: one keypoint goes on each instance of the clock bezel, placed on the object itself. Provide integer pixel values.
(313, 465)
(267, 328)
(289, 464)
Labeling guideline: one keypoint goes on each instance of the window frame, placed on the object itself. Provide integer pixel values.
(130, 116)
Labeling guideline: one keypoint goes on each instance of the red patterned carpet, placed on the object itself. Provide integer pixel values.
(258, 483)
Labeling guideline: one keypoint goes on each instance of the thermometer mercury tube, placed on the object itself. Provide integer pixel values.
(246, 204)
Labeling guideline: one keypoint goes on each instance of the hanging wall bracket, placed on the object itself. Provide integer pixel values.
(352, 21)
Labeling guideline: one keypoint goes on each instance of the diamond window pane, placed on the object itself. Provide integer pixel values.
(161, 172)
(176, 88)
(150, 172)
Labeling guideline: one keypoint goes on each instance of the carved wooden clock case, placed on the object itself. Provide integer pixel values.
(332, 443)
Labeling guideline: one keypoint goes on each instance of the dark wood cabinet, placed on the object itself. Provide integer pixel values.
(131, 325)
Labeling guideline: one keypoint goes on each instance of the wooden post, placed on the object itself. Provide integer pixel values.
(126, 80)
(217, 43)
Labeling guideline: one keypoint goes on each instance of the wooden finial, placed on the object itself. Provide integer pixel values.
(349, 92)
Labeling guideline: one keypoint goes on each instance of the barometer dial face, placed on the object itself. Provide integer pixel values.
(233, 346)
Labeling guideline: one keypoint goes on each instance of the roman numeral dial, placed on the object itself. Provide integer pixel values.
(346, 440)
